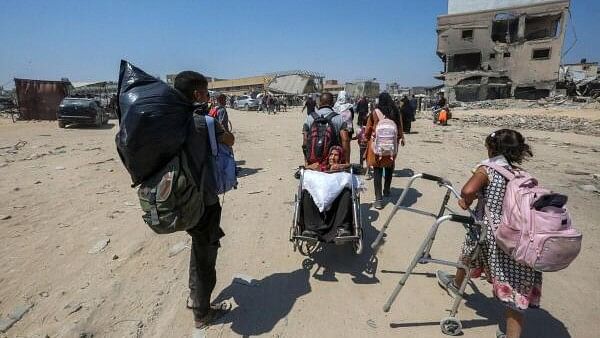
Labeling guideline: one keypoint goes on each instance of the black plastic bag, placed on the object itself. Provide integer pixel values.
(154, 119)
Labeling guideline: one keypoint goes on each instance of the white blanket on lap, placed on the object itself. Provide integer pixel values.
(325, 188)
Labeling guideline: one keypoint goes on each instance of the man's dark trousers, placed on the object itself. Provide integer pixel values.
(203, 258)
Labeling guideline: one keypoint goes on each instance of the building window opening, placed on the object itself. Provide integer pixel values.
(507, 54)
(467, 34)
(464, 62)
(542, 27)
(541, 54)
(492, 55)
(505, 27)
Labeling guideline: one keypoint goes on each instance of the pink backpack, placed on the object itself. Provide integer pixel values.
(541, 239)
(385, 139)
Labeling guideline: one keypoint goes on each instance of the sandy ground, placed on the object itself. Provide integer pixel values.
(65, 190)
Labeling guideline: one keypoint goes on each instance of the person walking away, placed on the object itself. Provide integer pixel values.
(343, 107)
(383, 164)
(219, 112)
(362, 109)
(207, 233)
(310, 105)
(317, 139)
(408, 114)
(516, 286)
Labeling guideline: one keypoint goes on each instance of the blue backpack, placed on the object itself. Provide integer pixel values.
(223, 161)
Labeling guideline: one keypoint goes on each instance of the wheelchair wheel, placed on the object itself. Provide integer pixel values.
(307, 248)
(451, 326)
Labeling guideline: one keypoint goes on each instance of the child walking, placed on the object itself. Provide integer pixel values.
(517, 286)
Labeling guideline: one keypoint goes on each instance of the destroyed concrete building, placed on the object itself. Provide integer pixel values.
(498, 49)
(368, 88)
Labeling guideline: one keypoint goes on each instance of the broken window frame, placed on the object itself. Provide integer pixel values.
(465, 65)
(507, 34)
(554, 31)
(547, 57)
(469, 37)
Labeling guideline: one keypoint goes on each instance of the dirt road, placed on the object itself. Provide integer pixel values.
(76, 257)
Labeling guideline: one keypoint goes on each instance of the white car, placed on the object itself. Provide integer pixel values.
(245, 102)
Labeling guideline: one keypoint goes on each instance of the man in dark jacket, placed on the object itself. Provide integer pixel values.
(207, 233)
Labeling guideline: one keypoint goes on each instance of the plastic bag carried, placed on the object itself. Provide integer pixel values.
(154, 119)
(326, 187)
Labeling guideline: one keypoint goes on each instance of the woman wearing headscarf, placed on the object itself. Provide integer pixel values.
(344, 107)
(337, 220)
(383, 166)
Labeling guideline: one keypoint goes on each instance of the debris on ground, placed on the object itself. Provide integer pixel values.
(99, 246)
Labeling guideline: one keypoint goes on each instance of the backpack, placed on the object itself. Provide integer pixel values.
(321, 136)
(223, 161)
(541, 239)
(170, 199)
(385, 139)
(214, 111)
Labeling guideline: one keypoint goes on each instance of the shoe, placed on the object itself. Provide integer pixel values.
(189, 303)
(446, 281)
(500, 334)
(378, 204)
(309, 233)
(342, 232)
(215, 312)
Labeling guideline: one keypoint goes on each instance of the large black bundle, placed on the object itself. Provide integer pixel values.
(153, 122)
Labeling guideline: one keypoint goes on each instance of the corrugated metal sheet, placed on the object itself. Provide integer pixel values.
(292, 84)
(39, 99)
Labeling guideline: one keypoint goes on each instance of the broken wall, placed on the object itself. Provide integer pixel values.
(519, 49)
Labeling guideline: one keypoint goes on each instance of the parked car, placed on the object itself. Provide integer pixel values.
(245, 102)
(74, 110)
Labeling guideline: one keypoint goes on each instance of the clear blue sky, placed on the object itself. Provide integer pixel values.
(390, 40)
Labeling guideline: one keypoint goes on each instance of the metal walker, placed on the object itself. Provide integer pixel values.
(449, 325)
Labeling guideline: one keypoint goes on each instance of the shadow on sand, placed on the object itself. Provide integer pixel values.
(538, 322)
(261, 305)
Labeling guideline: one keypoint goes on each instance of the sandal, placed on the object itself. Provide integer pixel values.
(446, 282)
(216, 312)
(189, 303)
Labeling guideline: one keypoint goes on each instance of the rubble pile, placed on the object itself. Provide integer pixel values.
(545, 123)
(547, 102)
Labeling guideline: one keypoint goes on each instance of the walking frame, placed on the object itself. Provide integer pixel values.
(449, 325)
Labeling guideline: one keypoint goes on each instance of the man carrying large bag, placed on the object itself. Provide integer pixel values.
(164, 143)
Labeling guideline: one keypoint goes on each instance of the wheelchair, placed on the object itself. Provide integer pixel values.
(309, 245)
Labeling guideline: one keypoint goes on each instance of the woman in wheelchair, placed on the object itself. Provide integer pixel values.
(337, 220)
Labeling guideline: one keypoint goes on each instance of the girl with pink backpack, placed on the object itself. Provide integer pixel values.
(516, 285)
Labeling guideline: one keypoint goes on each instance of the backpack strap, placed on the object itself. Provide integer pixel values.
(210, 125)
(314, 115)
(501, 170)
(380, 115)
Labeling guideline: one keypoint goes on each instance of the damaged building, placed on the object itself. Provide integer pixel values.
(495, 49)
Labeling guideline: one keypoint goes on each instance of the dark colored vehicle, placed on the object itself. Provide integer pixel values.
(74, 110)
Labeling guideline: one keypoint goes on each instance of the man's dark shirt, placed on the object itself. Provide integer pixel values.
(310, 106)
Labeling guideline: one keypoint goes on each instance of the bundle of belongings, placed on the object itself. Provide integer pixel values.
(326, 187)
(156, 130)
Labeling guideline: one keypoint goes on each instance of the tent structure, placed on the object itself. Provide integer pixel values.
(293, 84)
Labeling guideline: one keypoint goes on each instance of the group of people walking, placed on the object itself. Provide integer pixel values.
(380, 131)
(515, 285)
